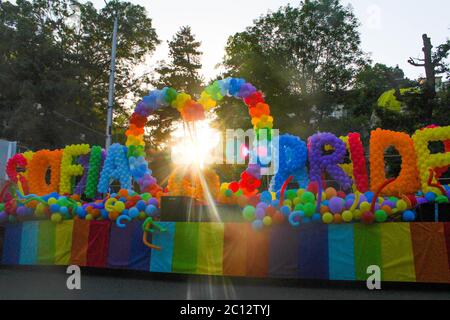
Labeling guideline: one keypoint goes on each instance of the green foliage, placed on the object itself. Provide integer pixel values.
(54, 66)
(303, 58)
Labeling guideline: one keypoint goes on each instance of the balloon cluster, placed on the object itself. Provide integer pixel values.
(407, 181)
(68, 169)
(96, 159)
(193, 184)
(15, 162)
(300, 206)
(115, 167)
(57, 207)
(426, 160)
(440, 171)
(192, 110)
(320, 163)
(83, 161)
(37, 170)
(292, 157)
(358, 162)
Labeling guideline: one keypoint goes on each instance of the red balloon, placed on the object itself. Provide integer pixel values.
(313, 187)
(341, 194)
(233, 186)
(368, 218)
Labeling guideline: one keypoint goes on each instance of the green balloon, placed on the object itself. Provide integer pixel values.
(308, 197)
(439, 199)
(95, 160)
(380, 216)
(291, 194)
(146, 196)
(63, 202)
(309, 209)
(298, 207)
(249, 213)
(2, 207)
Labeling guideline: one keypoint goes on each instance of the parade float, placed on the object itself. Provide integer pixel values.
(93, 207)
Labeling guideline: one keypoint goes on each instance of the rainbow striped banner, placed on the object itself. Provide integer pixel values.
(405, 252)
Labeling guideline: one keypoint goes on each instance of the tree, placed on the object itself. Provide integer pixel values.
(180, 73)
(54, 66)
(303, 58)
(434, 64)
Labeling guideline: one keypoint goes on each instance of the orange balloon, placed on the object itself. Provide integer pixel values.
(324, 209)
(113, 215)
(387, 209)
(330, 192)
(337, 218)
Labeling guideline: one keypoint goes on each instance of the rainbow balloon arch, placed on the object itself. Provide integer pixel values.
(59, 208)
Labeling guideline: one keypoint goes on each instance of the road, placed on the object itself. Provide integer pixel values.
(50, 283)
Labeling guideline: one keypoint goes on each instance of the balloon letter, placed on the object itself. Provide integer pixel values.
(319, 162)
(37, 171)
(426, 160)
(407, 182)
(359, 162)
(292, 156)
(16, 161)
(68, 169)
(115, 168)
(95, 163)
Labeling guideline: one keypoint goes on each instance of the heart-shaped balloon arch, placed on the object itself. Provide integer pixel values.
(192, 110)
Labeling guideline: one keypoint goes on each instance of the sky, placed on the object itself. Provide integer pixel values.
(391, 30)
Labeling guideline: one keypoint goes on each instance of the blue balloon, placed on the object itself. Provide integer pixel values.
(257, 224)
(317, 217)
(133, 212)
(81, 213)
(54, 208)
(105, 214)
(266, 197)
(430, 196)
(285, 210)
(409, 216)
(151, 210)
(140, 205)
(369, 196)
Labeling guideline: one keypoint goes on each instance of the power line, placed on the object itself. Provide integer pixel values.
(78, 123)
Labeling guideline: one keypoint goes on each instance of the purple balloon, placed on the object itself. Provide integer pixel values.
(262, 205)
(349, 203)
(388, 203)
(21, 211)
(153, 201)
(83, 160)
(336, 205)
(260, 213)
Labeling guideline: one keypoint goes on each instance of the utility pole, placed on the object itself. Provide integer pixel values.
(111, 84)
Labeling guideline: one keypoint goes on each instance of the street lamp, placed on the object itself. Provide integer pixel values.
(111, 83)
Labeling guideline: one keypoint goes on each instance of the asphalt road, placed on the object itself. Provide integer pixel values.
(50, 283)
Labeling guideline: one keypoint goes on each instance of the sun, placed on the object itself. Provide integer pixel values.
(195, 143)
